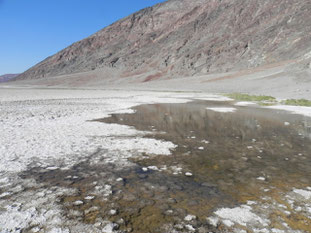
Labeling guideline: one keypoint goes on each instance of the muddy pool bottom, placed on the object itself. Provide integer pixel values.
(235, 169)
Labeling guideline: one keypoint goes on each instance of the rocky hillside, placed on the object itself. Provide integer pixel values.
(7, 77)
(189, 37)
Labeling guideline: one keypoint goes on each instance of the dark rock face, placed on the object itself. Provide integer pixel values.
(186, 38)
(7, 77)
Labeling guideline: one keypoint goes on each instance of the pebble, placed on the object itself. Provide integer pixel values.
(98, 187)
(92, 209)
(120, 179)
(98, 224)
(188, 174)
(201, 148)
(169, 212)
(78, 203)
(35, 229)
(204, 141)
(52, 168)
(89, 198)
(286, 123)
(190, 228)
(145, 169)
(155, 168)
(121, 221)
(190, 217)
(110, 227)
(179, 226)
(251, 202)
(113, 212)
(172, 200)
(261, 178)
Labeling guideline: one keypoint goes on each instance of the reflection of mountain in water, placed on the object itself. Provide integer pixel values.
(306, 132)
(235, 148)
(247, 123)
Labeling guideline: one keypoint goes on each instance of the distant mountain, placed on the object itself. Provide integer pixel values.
(181, 38)
(7, 77)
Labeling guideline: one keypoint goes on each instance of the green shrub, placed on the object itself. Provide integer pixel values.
(246, 97)
(297, 102)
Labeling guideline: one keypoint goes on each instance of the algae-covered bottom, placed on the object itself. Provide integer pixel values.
(225, 159)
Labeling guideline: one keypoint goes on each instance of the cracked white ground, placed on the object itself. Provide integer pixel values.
(54, 129)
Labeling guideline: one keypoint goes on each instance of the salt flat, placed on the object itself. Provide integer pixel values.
(54, 129)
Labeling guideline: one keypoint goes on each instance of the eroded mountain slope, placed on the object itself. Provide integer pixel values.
(186, 38)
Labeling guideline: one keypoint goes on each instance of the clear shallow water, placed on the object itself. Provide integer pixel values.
(228, 149)
(247, 155)
(233, 157)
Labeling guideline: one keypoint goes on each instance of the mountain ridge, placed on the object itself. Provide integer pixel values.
(181, 38)
(7, 77)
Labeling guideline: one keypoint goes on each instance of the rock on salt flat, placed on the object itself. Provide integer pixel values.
(109, 228)
(188, 174)
(190, 217)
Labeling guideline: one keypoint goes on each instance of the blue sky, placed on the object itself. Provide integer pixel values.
(31, 30)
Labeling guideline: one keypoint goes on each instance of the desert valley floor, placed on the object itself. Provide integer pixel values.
(151, 161)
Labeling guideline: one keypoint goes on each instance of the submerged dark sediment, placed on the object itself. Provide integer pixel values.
(222, 160)
(239, 156)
